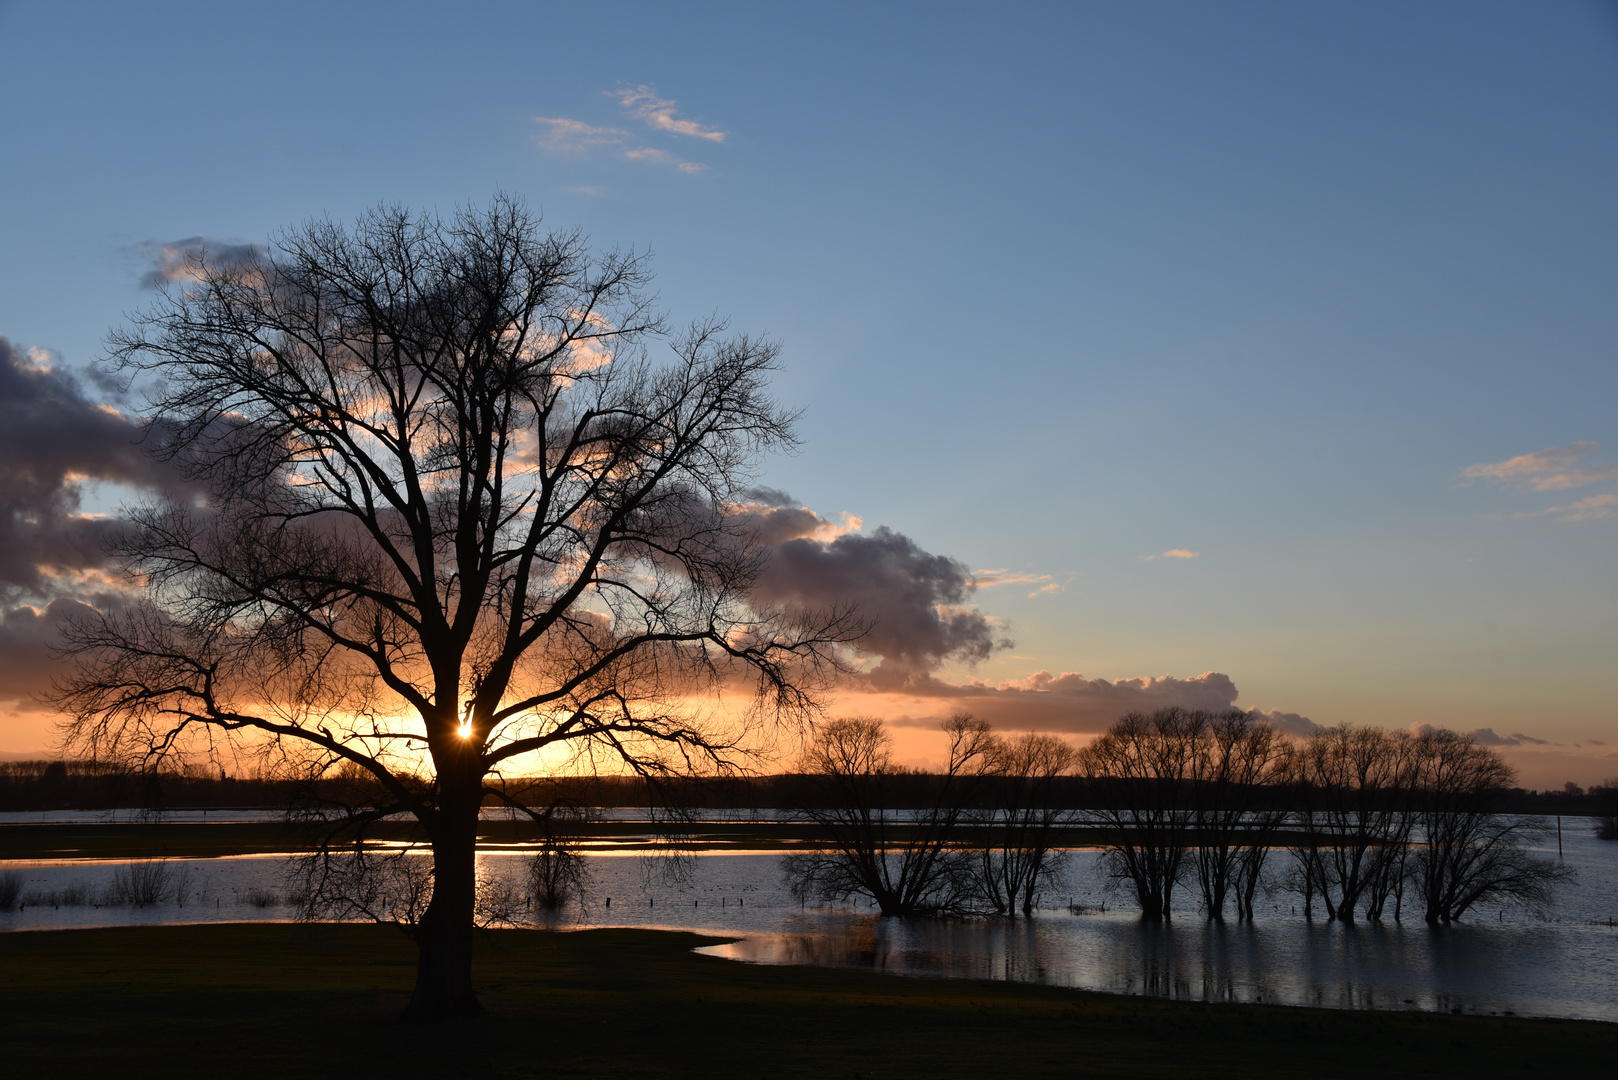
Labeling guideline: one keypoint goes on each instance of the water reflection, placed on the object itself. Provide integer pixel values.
(1551, 971)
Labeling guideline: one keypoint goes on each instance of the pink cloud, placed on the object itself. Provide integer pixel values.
(1555, 469)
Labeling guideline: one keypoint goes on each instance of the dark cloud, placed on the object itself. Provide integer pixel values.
(912, 600)
(177, 259)
(768, 496)
(1073, 704)
(26, 662)
(1487, 736)
(54, 438)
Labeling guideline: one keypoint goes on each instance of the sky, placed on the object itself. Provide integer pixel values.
(1254, 354)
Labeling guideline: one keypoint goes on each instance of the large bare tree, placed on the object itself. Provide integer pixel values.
(450, 511)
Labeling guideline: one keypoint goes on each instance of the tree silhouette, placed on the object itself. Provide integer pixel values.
(1466, 851)
(903, 853)
(1142, 773)
(1019, 821)
(450, 511)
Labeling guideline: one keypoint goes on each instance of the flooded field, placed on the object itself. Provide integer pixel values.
(1083, 936)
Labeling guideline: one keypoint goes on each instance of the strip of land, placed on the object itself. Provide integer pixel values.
(313, 1001)
(190, 839)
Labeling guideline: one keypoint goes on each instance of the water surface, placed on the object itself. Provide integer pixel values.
(1497, 961)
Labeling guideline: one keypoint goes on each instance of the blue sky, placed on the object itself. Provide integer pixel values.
(1062, 288)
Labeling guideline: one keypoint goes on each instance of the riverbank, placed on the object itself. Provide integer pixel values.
(316, 1001)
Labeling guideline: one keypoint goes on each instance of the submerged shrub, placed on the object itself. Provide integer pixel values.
(141, 883)
(78, 894)
(556, 878)
(10, 889)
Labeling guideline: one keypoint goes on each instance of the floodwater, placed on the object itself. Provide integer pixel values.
(1497, 961)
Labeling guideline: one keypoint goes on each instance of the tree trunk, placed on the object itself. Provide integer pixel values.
(444, 938)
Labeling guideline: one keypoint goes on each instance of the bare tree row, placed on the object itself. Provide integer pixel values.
(1184, 799)
(915, 860)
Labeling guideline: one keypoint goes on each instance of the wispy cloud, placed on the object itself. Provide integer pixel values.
(1047, 585)
(1556, 469)
(575, 136)
(662, 157)
(1173, 553)
(1592, 508)
(562, 135)
(643, 104)
(565, 135)
(988, 579)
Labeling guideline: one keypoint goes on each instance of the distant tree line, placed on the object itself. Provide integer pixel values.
(77, 784)
(1366, 822)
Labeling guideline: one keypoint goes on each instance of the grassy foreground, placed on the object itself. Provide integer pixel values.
(253, 1000)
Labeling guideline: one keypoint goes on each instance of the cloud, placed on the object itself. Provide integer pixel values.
(1045, 586)
(914, 602)
(1070, 703)
(662, 157)
(1289, 722)
(26, 634)
(1591, 508)
(1173, 553)
(1486, 736)
(772, 519)
(988, 579)
(1555, 469)
(643, 104)
(768, 496)
(574, 137)
(54, 439)
(177, 260)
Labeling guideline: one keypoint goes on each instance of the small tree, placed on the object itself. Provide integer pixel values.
(1238, 761)
(1142, 774)
(874, 841)
(1019, 822)
(451, 513)
(1357, 786)
(1466, 852)
(1606, 796)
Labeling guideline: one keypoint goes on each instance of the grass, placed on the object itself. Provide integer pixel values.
(254, 1000)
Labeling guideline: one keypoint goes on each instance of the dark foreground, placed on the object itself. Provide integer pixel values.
(255, 1000)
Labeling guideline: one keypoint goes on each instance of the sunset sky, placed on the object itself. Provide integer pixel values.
(1244, 353)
